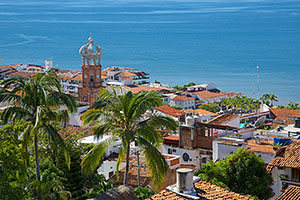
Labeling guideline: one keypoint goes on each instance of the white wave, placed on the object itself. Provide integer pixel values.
(27, 39)
(91, 22)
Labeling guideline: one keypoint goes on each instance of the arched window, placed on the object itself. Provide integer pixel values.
(92, 78)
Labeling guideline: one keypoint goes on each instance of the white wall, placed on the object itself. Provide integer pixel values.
(277, 184)
(193, 154)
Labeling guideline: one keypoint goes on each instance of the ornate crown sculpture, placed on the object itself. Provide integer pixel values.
(88, 53)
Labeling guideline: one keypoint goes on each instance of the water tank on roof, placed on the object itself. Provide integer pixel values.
(190, 121)
(297, 122)
(197, 118)
(184, 180)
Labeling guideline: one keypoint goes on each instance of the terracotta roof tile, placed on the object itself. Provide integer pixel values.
(138, 88)
(288, 156)
(207, 94)
(222, 119)
(170, 111)
(205, 190)
(283, 114)
(291, 193)
(183, 98)
(205, 112)
(126, 74)
(8, 66)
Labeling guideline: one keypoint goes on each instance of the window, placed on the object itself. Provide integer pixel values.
(85, 99)
(92, 78)
(203, 160)
(295, 174)
(174, 150)
(169, 151)
(185, 157)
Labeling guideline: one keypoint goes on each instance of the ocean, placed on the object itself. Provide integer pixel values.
(176, 41)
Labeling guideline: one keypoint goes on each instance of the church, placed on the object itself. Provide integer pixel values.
(91, 72)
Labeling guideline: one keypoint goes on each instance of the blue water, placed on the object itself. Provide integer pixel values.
(176, 41)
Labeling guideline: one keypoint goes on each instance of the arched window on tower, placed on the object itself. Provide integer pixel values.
(92, 78)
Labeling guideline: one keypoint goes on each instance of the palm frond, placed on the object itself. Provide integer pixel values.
(91, 161)
(155, 161)
(58, 141)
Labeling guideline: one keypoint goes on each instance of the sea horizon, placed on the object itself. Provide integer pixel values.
(176, 41)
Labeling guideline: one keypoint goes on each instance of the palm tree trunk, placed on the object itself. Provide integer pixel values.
(127, 164)
(37, 167)
(139, 168)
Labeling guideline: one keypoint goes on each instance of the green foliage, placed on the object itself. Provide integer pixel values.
(157, 82)
(240, 103)
(290, 106)
(37, 100)
(12, 165)
(184, 87)
(269, 99)
(212, 107)
(176, 107)
(123, 116)
(143, 192)
(242, 172)
(98, 185)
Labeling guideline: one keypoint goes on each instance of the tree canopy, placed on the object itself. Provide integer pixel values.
(212, 107)
(124, 117)
(242, 172)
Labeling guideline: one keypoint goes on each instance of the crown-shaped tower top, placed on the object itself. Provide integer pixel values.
(88, 53)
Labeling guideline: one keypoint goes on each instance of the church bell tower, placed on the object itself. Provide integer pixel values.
(91, 72)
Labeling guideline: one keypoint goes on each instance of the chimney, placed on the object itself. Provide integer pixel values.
(184, 180)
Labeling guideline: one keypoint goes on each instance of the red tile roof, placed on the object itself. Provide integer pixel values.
(205, 190)
(170, 111)
(288, 156)
(291, 193)
(222, 119)
(138, 88)
(284, 114)
(8, 66)
(126, 74)
(205, 112)
(207, 94)
(183, 98)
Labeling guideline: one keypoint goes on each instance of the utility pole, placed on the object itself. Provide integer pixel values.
(257, 82)
(257, 88)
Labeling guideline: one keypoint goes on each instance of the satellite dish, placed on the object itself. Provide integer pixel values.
(260, 121)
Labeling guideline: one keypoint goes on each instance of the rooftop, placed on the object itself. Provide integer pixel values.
(138, 88)
(207, 94)
(183, 98)
(170, 111)
(8, 66)
(291, 193)
(126, 74)
(205, 190)
(222, 119)
(288, 156)
(284, 114)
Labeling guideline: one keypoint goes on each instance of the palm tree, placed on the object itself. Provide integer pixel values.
(273, 98)
(124, 117)
(293, 106)
(266, 99)
(38, 101)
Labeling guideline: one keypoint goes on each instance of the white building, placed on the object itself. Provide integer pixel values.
(183, 102)
(285, 168)
(210, 86)
(262, 147)
(126, 76)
